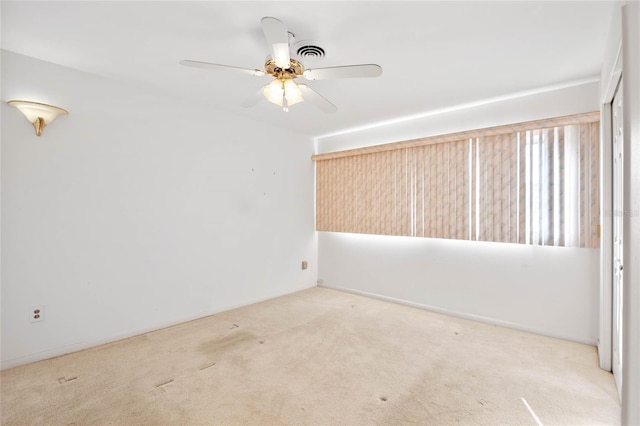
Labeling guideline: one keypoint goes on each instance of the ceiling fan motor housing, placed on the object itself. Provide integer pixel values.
(296, 69)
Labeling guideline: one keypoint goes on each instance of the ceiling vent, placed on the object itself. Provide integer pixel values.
(309, 51)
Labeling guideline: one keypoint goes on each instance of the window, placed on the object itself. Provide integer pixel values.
(529, 183)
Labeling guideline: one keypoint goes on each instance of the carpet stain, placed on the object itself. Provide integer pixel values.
(233, 326)
(62, 380)
(383, 398)
(225, 343)
(163, 384)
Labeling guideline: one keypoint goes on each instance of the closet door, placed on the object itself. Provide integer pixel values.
(618, 216)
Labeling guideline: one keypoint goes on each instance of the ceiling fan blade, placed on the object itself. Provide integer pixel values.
(275, 31)
(308, 94)
(218, 67)
(253, 99)
(347, 71)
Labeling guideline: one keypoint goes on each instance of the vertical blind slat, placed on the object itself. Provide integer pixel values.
(474, 189)
(522, 190)
(584, 222)
(594, 168)
(561, 182)
(513, 189)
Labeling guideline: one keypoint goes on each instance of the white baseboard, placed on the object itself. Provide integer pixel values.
(487, 320)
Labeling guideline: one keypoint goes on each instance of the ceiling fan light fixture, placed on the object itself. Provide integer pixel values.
(283, 89)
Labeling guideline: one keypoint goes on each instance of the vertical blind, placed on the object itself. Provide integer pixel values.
(529, 183)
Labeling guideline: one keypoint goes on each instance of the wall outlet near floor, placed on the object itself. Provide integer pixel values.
(36, 313)
(305, 265)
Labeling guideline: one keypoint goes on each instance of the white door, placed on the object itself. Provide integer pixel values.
(618, 209)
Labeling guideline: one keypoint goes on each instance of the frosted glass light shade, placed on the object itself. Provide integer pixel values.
(38, 114)
(283, 88)
(292, 92)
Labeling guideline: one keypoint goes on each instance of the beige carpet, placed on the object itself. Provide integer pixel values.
(318, 357)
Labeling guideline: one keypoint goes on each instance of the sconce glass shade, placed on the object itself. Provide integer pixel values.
(283, 88)
(38, 114)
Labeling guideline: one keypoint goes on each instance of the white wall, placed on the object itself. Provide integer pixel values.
(138, 211)
(631, 296)
(548, 290)
(542, 103)
(552, 291)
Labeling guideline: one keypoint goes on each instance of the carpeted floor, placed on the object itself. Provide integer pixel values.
(318, 357)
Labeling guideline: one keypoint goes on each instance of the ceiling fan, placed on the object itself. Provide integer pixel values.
(283, 90)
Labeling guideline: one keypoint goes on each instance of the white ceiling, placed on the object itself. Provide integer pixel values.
(434, 54)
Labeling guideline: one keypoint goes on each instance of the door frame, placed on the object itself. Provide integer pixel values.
(609, 84)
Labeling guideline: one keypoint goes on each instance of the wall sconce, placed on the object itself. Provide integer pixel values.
(38, 114)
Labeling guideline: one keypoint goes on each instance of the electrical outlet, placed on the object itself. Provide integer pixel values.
(305, 265)
(36, 313)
